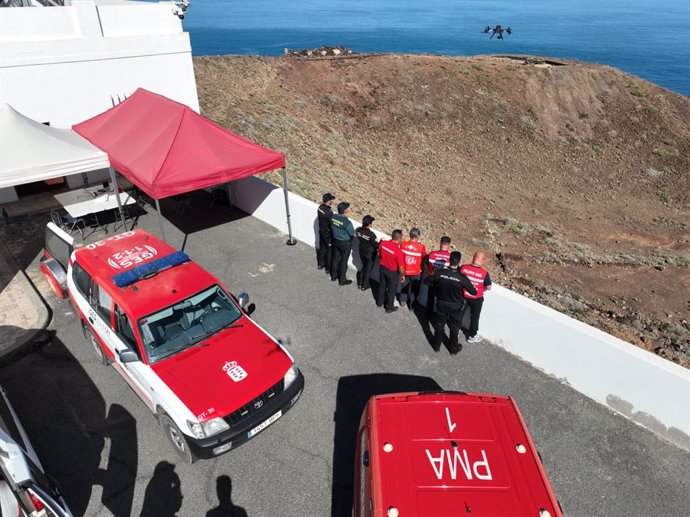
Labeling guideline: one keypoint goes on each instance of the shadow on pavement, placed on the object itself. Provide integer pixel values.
(163, 496)
(353, 393)
(25, 242)
(66, 419)
(198, 213)
(225, 508)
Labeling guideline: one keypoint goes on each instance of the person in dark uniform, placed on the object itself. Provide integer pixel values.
(449, 285)
(324, 215)
(367, 251)
(343, 232)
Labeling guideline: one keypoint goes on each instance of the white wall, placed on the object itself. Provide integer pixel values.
(649, 390)
(64, 65)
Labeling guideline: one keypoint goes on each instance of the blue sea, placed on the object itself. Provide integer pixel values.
(649, 38)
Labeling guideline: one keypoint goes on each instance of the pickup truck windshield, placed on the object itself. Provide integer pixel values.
(187, 323)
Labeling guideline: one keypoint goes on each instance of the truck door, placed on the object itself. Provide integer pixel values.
(57, 250)
(135, 372)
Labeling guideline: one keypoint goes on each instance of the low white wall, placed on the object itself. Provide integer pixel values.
(649, 390)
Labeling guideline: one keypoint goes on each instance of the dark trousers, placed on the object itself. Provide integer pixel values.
(409, 290)
(430, 299)
(323, 255)
(389, 281)
(365, 272)
(475, 308)
(340, 255)
(451, 314)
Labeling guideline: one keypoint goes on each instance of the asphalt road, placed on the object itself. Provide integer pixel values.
(106, 450)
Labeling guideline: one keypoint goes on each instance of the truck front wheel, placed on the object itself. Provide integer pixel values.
(177, 439)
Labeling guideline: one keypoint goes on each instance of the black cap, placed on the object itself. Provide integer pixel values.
(328, 197)
(455, 258)
(445, 240)
(367, 220)
(342, 206)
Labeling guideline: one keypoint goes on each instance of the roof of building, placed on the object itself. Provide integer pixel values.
(455, 450)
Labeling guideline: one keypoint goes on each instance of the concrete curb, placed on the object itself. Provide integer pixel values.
(649, 390)
(8, 350)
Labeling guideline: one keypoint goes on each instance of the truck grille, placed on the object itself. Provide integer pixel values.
(250, 408)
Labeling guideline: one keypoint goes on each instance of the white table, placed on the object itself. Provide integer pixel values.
(92, 200)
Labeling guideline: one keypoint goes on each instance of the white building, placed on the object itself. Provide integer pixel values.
(64, 64)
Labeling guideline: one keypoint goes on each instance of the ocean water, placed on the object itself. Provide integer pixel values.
(649, 38)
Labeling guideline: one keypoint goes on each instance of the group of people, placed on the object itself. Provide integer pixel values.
(404, 266)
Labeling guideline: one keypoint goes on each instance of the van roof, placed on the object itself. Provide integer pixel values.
(447, 453)
(107, 259)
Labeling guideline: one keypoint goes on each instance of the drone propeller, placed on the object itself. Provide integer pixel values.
(509, 30)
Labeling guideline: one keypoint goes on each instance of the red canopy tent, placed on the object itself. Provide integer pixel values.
(165, 148)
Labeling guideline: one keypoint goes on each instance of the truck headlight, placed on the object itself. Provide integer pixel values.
(290, 376)
(208, 428)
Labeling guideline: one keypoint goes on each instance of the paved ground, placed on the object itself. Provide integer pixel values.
(22, 311)
(103, 446)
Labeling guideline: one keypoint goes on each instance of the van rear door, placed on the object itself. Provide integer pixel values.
(58, 247)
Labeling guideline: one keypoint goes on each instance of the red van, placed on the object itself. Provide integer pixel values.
(448, 454)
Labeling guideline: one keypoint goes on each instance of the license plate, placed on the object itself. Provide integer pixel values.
(263, 425)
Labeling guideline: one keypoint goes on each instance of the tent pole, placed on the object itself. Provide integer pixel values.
(290, 241)
(113, 179)
(160, 218)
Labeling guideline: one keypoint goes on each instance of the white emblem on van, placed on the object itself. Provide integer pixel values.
(234, 371)
(132, 257)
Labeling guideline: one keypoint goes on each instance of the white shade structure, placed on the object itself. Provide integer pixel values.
(31, 151)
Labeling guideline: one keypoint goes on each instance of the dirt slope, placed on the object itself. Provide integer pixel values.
(575, 177)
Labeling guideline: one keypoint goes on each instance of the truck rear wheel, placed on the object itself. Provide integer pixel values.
(177, 439)
(102, 358)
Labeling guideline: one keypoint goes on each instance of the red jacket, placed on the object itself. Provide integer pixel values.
(479, 278)
(390, 255)
(438, 259)
(415, 253)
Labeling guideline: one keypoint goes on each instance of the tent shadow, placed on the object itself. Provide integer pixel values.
(66, 419)
(196, 211)
(351, 398)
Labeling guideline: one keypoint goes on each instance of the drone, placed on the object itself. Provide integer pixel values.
(497, 30)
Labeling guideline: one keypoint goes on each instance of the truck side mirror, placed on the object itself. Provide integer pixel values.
(243, 300)
(127, 356)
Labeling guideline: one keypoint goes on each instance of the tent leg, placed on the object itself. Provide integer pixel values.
(160, 219)
(291, 241)
(113, 179)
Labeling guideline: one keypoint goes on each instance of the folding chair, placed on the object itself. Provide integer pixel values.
(68, 223)
(94, 224)
(119, 223)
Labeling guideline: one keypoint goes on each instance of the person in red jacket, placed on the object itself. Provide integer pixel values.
(438, 259)
(482, 282)
(391, 271)
(415, 255)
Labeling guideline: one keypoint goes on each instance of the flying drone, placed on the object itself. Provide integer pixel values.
(497, 30)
